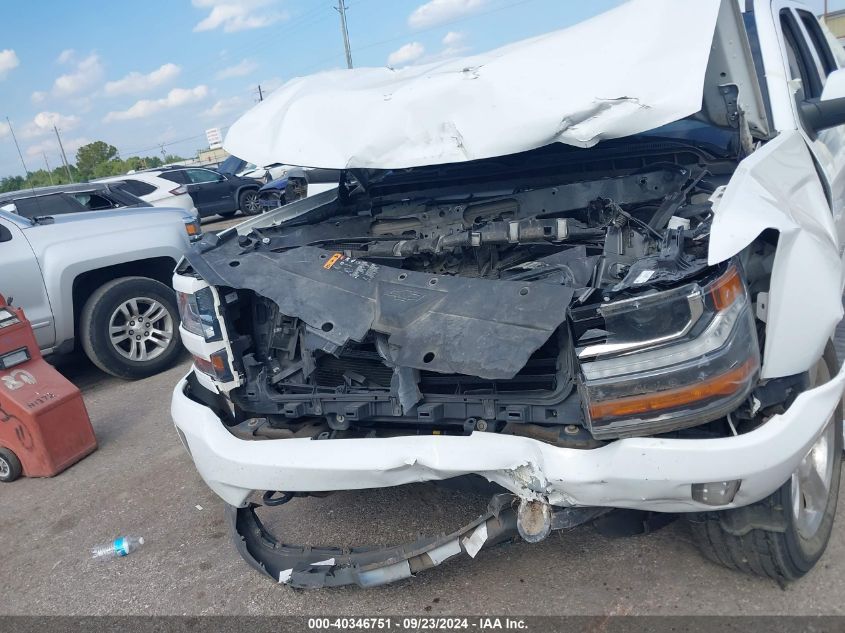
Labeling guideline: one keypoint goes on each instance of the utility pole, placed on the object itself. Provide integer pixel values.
(18, 147)
(341, 8)
(260, 94)
(49, 172)
(163, 153)
(64, 157)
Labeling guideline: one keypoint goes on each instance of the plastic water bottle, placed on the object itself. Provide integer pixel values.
(122, 546)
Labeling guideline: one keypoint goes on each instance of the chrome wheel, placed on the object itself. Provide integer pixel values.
(5, 469)
(141, 329)
(250, 203)
(811, 483)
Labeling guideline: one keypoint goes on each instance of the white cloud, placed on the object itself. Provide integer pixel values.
(8, 61)
(406, 54)
(38, 97)
(44, 121)
(136, 83)
(454, 44)
(224, 106)
(4, 129)
(437, 12)
(66, 56)
(147, 107)
(85, 75)
(245, 67)
(237, 15)
(454, 38)
(50, 146)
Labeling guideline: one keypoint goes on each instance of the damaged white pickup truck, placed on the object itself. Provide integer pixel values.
(600, 268)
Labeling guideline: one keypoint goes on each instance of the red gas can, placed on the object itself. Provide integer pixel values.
(44, 427)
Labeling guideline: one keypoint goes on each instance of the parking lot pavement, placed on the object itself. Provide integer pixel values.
(141, 482)
(215, 224)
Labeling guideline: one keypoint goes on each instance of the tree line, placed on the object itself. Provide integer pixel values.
(94, 160)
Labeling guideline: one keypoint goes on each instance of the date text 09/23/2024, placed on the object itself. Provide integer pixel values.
(421, 623)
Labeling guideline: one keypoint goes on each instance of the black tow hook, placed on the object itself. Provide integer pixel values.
(269, 500)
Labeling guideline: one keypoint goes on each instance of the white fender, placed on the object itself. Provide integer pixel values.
(778, 187)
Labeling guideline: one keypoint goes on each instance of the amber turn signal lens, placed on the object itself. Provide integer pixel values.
(722, 385)
(726, 289)
(219, 364)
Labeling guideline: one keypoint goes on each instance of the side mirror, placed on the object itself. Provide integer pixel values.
(829, 111)
(5, 234)
(820, 114)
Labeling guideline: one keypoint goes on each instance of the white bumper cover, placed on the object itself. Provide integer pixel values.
(642, 473)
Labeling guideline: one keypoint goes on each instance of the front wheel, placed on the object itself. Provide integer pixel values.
(10, 466)
(129, 327)
(791, 528)
(249, 203)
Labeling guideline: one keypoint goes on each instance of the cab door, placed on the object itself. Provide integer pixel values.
(809, 60)
(22, 282)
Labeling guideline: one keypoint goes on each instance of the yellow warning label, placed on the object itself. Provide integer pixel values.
(333, 260)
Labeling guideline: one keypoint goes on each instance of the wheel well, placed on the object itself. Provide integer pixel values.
(158, 268)
(244, 188)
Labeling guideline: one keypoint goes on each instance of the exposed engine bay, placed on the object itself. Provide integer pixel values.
(550, 305)
(609, 299)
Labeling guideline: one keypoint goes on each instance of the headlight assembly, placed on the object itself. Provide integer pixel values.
(671, 359)
(197, 313)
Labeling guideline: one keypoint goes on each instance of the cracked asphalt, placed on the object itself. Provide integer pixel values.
(141, 482)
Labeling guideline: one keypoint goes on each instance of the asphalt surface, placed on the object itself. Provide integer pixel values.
(141, 482)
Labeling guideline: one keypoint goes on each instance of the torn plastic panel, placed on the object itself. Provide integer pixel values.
(438, 323)
(307, 567)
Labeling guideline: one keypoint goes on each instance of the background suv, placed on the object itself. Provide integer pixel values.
(213, 192)
(153, 189)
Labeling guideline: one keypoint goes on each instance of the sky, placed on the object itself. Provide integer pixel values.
(141, 75)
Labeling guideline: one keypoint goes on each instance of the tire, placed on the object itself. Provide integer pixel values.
(248, 202)
(10, 466)
(769, 538)
(154, 317)
(228, 214)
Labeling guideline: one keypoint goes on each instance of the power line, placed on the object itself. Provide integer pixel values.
(158, 146)
(451, 22)
(323, 61)
(303, 21)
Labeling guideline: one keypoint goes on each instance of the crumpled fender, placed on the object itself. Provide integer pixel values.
(778, 187)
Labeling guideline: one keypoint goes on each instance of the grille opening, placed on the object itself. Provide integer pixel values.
(361, 364)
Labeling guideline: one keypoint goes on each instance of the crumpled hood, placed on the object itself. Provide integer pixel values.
(599, 79)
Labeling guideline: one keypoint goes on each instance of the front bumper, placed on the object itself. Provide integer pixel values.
(639, 473)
